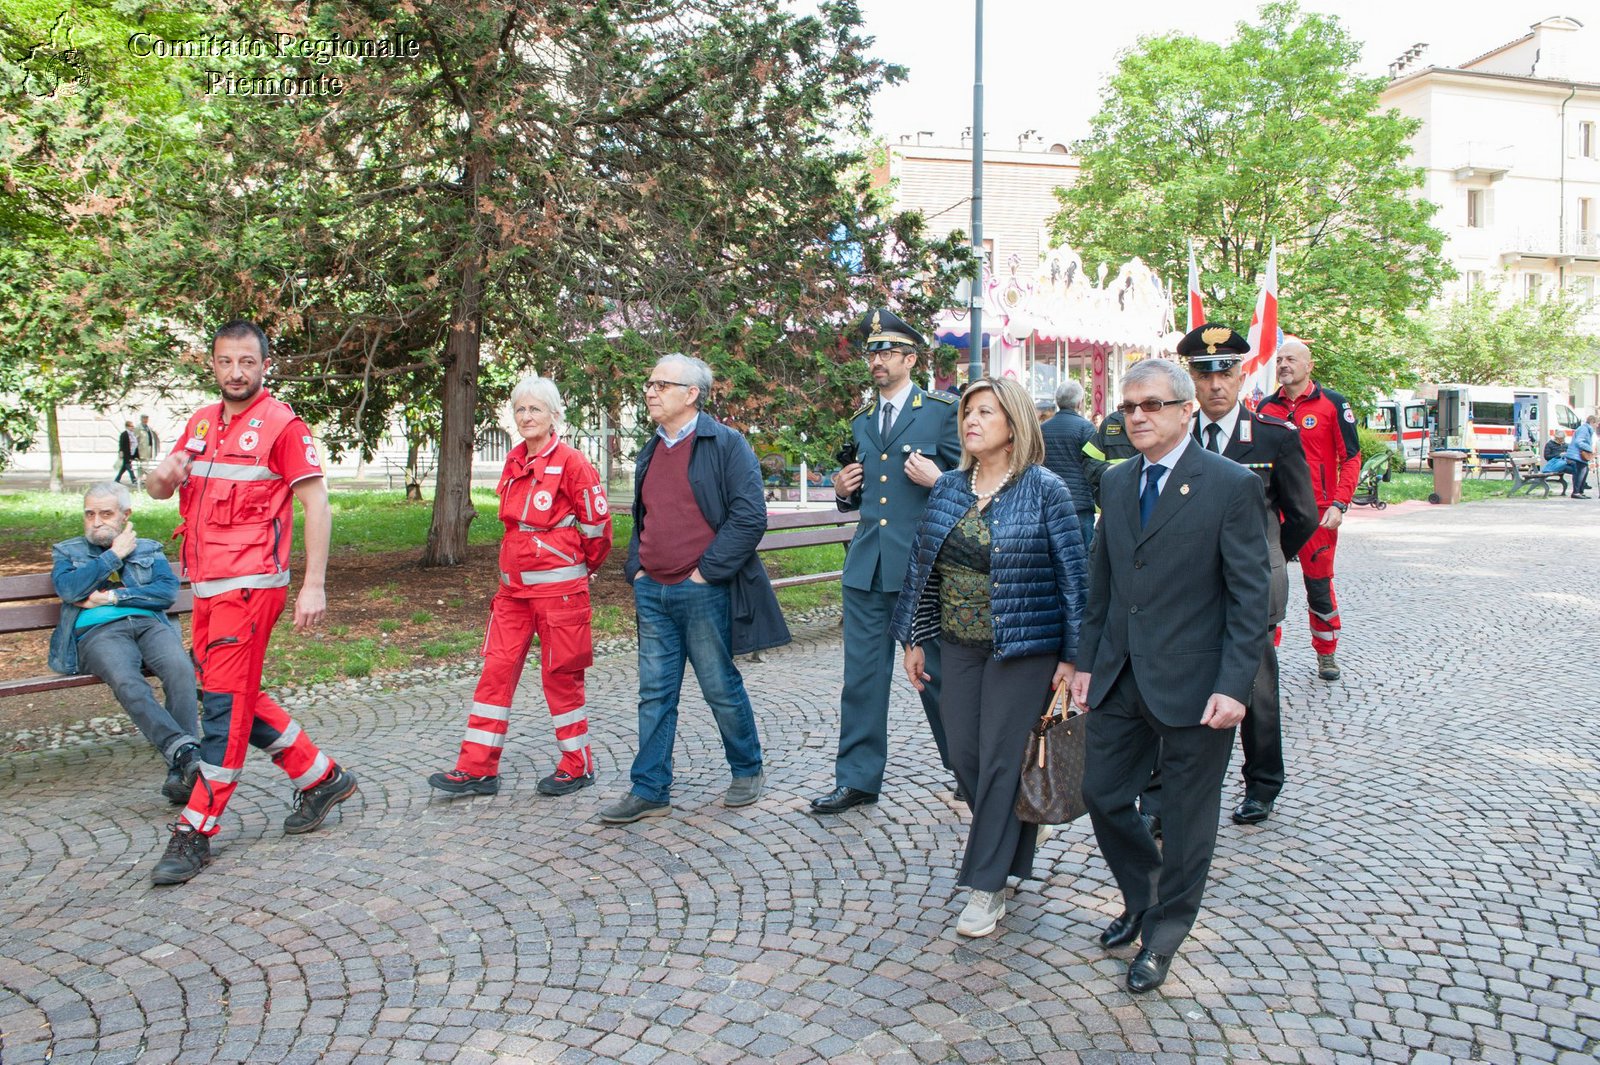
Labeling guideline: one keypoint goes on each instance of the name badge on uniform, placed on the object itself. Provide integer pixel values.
(1246, 431)
(195, 445)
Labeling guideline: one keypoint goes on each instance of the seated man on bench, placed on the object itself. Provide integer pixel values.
(115, 590)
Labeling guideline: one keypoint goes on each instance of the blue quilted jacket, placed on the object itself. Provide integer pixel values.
(1037, 564)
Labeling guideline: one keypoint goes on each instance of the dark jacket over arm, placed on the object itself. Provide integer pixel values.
(1064, 437)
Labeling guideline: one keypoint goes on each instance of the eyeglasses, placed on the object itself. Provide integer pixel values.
(1149, 406)
(883, 356)
(656, 386)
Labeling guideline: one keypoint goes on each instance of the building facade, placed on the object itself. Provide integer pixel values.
(1510, 149)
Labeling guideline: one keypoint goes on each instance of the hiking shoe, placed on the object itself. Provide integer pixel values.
(311, 806)
(562, 782)
(187, 853)
(181, 777)
(455, 782)
(744, 790)
(983, 912)
(1327, 668)
(631, 808)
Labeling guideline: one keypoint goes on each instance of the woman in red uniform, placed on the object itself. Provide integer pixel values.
(558, 532)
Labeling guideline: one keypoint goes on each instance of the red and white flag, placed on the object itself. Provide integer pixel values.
(1261, 366)
(1197, 308)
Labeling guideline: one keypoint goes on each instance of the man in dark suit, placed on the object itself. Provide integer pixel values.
(1271, 447)
(903, 439)
(1172, 636)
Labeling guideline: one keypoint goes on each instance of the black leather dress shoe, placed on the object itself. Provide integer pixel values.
(961, 793)
(1123, 930)
(839, 800)
(1147, 971)
(1252, 811)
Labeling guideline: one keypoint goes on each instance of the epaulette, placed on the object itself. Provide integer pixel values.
(865, 407)
(942, 397)
(1273, 419)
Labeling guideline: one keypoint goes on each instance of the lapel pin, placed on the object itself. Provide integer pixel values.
(1183, 489)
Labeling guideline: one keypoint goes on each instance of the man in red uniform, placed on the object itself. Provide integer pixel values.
(237, 468)
(1328, 432)
(558, 532)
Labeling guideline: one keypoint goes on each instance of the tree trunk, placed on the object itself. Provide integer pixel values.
(452, 496)
(58, 482)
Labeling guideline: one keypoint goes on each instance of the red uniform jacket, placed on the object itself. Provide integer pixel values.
(558, 525)
(1328, 433)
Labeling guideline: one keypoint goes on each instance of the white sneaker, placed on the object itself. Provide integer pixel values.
(983, 912)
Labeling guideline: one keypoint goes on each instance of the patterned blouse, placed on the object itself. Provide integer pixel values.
(963, 567)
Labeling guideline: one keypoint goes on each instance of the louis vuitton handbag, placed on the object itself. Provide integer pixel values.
(1052, 769)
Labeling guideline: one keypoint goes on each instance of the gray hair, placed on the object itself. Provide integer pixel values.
(1161, 369)
(111, 490)
(694, 372)
(544, 390)
(1069, 396)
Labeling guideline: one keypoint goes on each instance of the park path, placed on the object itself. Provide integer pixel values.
(1425, 893)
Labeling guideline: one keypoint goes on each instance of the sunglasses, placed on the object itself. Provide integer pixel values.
(1149, 406)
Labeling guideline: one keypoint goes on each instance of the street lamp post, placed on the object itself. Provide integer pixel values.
(975, 333)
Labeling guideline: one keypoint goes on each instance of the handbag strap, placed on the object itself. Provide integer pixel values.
(1058, 704)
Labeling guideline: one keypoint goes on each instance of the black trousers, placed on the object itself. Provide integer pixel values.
(1126, 741)
(1261, 736)
(988, 705)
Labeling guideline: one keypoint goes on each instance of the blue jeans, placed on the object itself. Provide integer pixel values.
(678, 622)
(116, 652)
(1086, 526)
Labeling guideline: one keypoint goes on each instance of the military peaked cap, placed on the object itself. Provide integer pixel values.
(882, 328)
(1212, 348)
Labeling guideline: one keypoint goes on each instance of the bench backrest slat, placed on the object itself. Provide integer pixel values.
(26, 586)
(30, 613)
(809, 519)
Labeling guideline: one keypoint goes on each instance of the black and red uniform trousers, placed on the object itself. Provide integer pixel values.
(231, 630)
(517, 615)
(1322, 605)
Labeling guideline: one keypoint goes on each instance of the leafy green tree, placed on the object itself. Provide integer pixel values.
(1484, 339)
(86, 128)
(572, 188)
(1271, 136)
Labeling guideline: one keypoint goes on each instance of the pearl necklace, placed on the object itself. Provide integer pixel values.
(984, 497)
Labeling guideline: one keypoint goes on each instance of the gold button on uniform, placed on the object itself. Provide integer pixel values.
(883, 457)
(883, 521)
(883, 499)
(883, 477)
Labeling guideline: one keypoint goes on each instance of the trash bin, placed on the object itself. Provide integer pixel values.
(1447, 469)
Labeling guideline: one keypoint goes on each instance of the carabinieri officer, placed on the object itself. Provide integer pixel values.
(904, 438)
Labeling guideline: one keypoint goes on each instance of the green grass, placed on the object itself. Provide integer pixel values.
(454, 645)
(389, 626)
(301, 658)
(421, 617)
(1404, 486)
(611, 620)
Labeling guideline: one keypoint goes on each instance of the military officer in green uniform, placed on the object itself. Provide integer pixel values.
(904, 438)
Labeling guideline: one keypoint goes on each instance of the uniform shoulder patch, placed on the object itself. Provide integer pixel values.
(862, 410)
(941, 396)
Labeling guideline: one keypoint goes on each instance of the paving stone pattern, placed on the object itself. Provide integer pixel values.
(1426, 892)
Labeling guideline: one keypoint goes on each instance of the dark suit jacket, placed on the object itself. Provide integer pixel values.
(1183, 603)
(1271, 447)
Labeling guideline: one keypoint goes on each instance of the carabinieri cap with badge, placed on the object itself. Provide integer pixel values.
(1213, 348)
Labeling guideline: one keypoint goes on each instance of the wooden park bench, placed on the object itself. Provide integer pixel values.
(1527, 473)
(28, 603)
(807, 528)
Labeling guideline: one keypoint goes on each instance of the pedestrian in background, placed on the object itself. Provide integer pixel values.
(997, 579)
(127, 451)
(1580, 452)
(1065, 435)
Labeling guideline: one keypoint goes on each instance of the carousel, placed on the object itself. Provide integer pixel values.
(1061, 323)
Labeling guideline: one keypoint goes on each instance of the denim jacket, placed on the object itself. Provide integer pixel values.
(80, 568)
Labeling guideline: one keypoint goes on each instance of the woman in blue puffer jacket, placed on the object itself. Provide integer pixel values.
(997, 576)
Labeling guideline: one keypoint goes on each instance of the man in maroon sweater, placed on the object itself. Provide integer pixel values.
(699, 588)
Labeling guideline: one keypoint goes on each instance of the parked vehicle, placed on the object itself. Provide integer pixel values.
(1495, 420)
(1405, 422)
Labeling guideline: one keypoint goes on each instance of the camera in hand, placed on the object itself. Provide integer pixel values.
(847, 453)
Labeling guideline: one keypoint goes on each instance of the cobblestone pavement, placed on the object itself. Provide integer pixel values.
(1426, 892)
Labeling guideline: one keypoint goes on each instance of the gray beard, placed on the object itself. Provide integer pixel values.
(101, 537)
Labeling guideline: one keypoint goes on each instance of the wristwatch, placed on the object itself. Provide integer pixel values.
(1344, 508)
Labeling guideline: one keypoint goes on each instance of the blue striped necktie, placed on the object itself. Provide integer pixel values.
(1151, 493)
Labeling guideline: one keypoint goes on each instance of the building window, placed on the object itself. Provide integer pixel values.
(1585, 216)
(1532, 284)
(1586, 140)
(1477, 208)
(1582, 288)
(1473, 279)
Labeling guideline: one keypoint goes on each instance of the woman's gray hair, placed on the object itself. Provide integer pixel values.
(111, 490)
(1069, 396)
(544, 390)
(1161, 369)
(692, 371)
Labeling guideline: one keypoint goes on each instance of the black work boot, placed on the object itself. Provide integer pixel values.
(181, 777)
(187, 853)
(311, 806)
